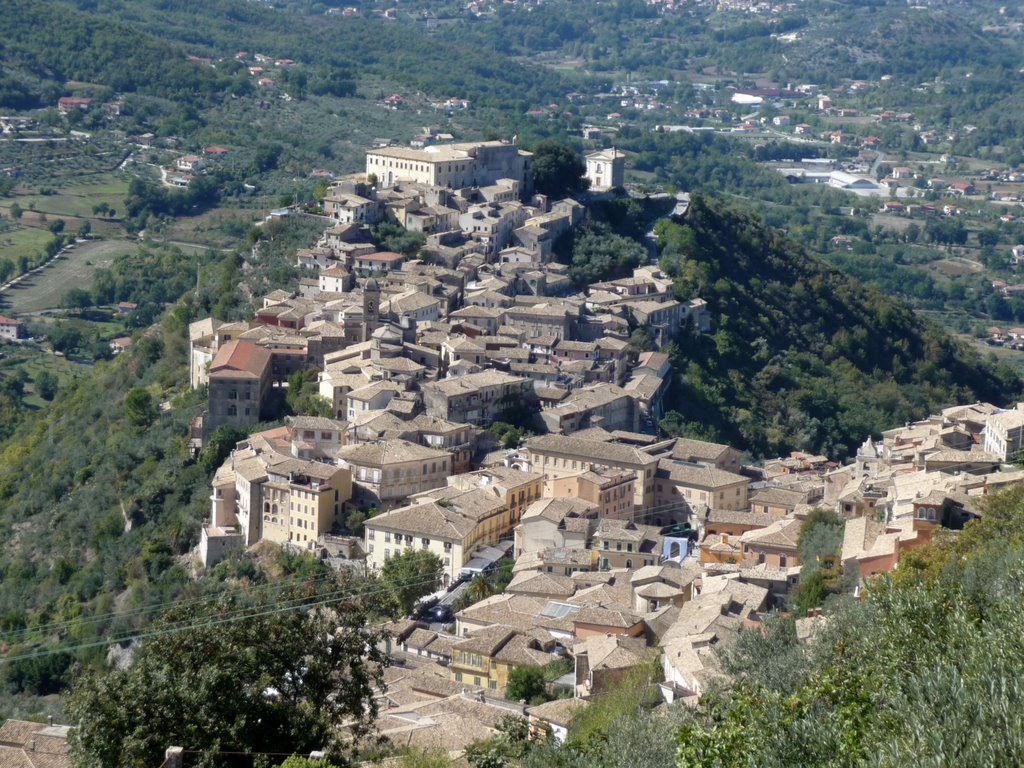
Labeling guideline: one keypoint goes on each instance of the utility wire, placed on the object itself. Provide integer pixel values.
(335, 597)
(12, 635)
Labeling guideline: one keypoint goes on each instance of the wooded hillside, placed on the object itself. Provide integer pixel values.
(803, 356)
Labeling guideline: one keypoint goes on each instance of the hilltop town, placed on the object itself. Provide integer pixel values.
(471, 402)
(531, 383)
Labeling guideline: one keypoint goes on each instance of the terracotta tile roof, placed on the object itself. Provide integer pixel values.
(240, 359)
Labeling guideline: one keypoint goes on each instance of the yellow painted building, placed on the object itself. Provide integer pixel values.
(486, 658)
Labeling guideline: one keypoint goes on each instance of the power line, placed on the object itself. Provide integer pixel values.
(12, 635)
(304, 602)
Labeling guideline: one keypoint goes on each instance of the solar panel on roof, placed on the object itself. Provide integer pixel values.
(556, 610)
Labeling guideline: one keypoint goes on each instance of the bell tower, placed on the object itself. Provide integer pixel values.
(371, 308)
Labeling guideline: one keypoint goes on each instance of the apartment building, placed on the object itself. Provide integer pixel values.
(488, 656)
(558, 456)
(449, 522)
(611, 490)
(605, 405)
(546, 319)
(625, 544)
(1003, 435)
(239, 382)
(477, 398)
(260, 493)
(685, 484)
(389, 471)
(516, 489)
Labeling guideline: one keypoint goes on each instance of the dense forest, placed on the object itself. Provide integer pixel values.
(802, 356)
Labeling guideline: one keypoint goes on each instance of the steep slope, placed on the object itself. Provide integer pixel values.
(803, 356)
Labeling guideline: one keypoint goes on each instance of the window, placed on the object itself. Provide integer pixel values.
(494, 664)
(618, 546)
(371, 549)
(782, 561)
(493, 684)
(629, 547)
(458, 677)
(606, 545)
(387, 536)
(476, 680)
(387, 553)
(425, 542)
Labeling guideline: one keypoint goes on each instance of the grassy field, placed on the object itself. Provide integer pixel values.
(22, 241)
(78, 198)
(44, 289)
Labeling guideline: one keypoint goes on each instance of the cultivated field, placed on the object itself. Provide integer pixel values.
(22, 241)
(79, 197)
(43, 290)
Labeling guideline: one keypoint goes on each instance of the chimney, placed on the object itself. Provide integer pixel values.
(174, 757)
(32, 746)
(49, 720)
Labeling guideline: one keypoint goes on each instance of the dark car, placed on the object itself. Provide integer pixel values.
(424, 608)
(440, 614)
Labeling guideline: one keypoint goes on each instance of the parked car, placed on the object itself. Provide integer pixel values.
(441, 614)
(424, 608)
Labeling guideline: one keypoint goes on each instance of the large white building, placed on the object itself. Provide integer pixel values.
(454, 166)
(606, 169)
(1004, 433)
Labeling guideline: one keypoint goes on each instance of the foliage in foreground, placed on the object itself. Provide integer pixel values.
(278, 681)
(888, 680)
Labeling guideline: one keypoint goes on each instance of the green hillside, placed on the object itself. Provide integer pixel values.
(141, 47)
(803, 356)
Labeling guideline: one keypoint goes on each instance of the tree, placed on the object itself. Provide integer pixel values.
(16, 211)
(65, 338)
(238, 678)
(557, 170)
(76, 298)
(505, 749)
(409, 575)
(526, 683)
(601, 255)
(988, 237)
(139, 407)
(56, 226)
(392, 237)
(222, 441)
(354, 522)
(46, 385)
(297, 761)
